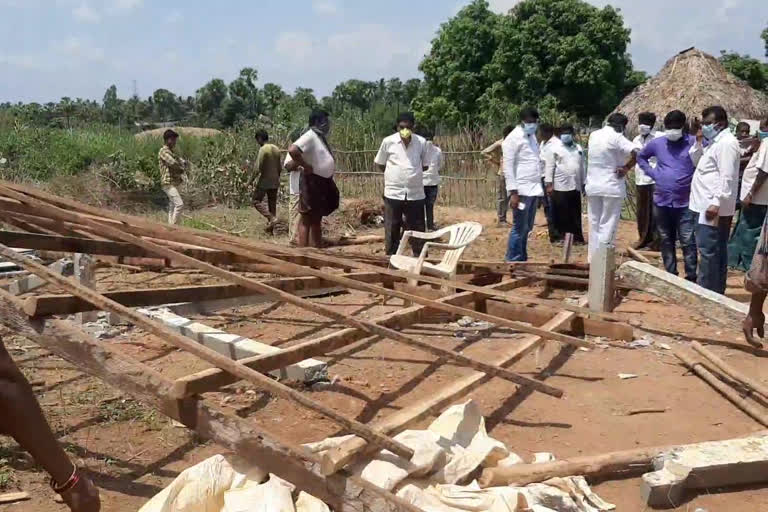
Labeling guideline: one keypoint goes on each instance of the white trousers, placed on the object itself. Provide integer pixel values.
(604, 214)
(175, 204)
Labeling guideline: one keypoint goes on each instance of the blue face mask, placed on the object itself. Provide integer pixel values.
(710, 131)
(567, 139)
(530, 128)
(762, 135)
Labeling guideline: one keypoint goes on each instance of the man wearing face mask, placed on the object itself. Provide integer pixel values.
(646, 223)
(522, 173)
(713, 196)
(564, 181)
(611, 156)
(672, 174)
(754, 205)
(403, 158)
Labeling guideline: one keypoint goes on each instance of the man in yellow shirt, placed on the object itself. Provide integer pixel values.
(172, 169)
(493, 154)
(268, 165)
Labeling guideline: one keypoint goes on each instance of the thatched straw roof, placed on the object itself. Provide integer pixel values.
(692, 81)
(181, 130)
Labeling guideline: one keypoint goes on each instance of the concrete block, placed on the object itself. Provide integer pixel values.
(675, 290)
(601, 272)
(84, 273)
(734, 462)
(32, 282)
(237, 347)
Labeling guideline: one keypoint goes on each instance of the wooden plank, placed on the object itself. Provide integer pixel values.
(337, 458)
(214, 378)
(205, 353)
(730, 372)
(309, 305)
(13, 497)
(46, 305)
(294, 464)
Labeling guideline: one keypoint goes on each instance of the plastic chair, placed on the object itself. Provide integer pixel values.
(461, 235)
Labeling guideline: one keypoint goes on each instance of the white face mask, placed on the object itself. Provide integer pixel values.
(674, 135)
(644, 129)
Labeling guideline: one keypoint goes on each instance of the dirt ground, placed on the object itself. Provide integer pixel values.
(133, 452)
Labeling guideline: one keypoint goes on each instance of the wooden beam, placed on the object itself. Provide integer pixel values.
(730, 372)
(307, 304)
(339, 457)
(205, 353)
(294, 464)
(47, 305)
(214, 378)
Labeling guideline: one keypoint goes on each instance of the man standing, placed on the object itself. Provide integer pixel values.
(754, 205)
(713, 196)
(548, 143)
(564, 181)
(172, 169)
(646, 223)
(403, 159)
(672, 174)
(432, 179)
(493, 154)
(611, 156)
(522, 172)
(294, 191)
(268, 166)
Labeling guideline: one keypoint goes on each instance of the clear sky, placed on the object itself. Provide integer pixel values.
(77, 48)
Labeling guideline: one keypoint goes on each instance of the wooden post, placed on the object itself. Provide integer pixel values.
(567, 246)
(84, 275)
(601, 272)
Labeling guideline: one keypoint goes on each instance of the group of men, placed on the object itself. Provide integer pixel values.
(688, 182)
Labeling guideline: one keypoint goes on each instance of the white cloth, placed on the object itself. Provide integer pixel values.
(564, 166)
(316, 154)
(436, 162)
(293, 176)
(175, 203)
(758, 162)
(522, 167)
(608, 150)
(604, 214)
(716, 176)
(404, 167)
(640, 141)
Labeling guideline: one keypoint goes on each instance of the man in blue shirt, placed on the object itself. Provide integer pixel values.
(673, 174)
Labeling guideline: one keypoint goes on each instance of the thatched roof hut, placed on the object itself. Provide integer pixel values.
(692, 81)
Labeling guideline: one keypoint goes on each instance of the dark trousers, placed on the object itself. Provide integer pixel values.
(554, 234)
(258, 201)
(566, 209)
(648, 235)
(394, 211)
(677, 224)
(430, 191)
(712, 242)
(502, 198)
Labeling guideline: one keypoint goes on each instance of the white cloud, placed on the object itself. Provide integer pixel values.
(125, 5)
(294, 46)
(502, 6)
(85, 14)
(324, 7)
(79, 50)
(174, 17)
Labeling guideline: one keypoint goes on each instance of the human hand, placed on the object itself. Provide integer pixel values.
(308, 169)
(747, 201)
(712, 212)
(83, 497)
(621, 171)
(514, 201)
(754, 321)
(550, 189)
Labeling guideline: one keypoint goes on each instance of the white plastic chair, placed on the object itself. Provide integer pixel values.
(461, 235)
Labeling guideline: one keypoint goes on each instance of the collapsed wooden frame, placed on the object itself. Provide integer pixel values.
(58, 224)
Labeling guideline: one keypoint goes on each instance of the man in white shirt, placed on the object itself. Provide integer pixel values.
(294, 177)
(547, 144)
(564, 182)
(493, 154)
(403, 159)
(432, 178)
(713, 196)
(646, 222)
(754, 205)
(611, 156)
(522, 172)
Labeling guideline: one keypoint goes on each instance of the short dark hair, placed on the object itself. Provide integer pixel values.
(675, 118)
(547, 130)
(529, 112)
(617, 119)
(567, 128)
(743, 125)
(170, 134)
(507, 130)
(262, 135)
(406, 117)
(317, 116)
(648, 118)
(721, 116)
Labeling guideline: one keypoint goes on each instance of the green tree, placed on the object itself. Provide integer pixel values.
(752, 71)
(67, 109)
(764, 35)
(456, 68)
(411, 90)
(356, 93)
(272, 95)
(210, 99)
(166, 105)
(111, 105)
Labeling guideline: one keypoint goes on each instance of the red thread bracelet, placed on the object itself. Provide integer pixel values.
(71, 482)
